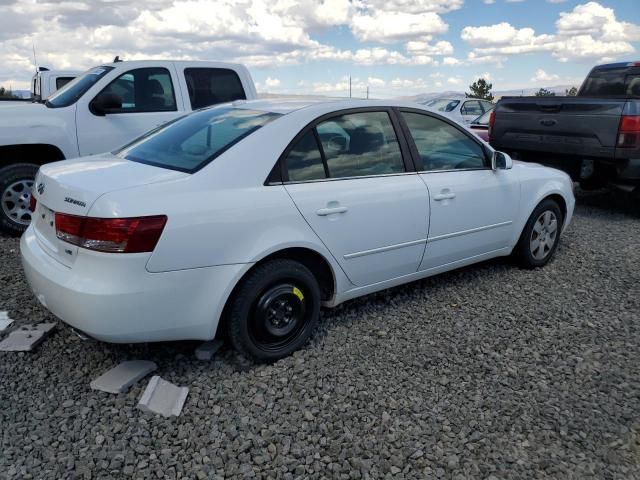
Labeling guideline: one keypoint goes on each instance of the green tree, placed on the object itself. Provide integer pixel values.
(4, 93)
(543, 92)
(571, 92)
(481, 89)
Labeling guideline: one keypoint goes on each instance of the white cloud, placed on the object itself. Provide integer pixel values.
(589, 32)
(425, 48)
(542, 76)
(384, 26)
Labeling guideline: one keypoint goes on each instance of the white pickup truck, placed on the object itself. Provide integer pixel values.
(100, 110)
(45, 82)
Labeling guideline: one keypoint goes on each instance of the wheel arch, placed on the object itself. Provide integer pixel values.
(315, 261)
(34, 153)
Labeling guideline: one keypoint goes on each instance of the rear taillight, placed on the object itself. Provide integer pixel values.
(492, 122)
(32, 203)
(629, 131)
(115, 235)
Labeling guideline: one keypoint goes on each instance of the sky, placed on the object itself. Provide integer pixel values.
(394, 47)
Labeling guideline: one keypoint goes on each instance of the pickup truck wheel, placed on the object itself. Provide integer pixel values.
(274, 310)
(16, 182)
(541, 235)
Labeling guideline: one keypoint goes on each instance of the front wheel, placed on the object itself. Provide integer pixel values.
(541, 235)
(274, 310)
(16, 182)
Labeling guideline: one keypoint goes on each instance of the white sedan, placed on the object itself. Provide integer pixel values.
(251, 215)
(462, 109)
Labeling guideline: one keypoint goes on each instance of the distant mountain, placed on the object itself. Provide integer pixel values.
(526, 92)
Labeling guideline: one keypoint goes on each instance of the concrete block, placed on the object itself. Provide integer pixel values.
(22, 340)
(41, 327)
(207, 349)
(122, 376)
(5, 322)
(163, 397)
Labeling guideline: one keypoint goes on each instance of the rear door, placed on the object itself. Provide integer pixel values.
(472, 207)
(351, 179)
(149, 99)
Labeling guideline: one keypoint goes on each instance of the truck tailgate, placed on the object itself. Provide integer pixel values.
(563, 125)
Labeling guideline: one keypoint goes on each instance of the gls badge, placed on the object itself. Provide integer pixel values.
(41, 188)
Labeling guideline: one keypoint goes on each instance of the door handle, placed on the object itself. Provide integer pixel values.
(444, 196)
(323, 212)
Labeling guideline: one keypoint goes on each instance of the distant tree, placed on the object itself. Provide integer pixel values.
(571, 92)
(481, 89)
(4, 93)
(543, 92)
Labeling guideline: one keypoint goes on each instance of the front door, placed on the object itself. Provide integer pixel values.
(148, 100)
(349, 180)
(472, 206)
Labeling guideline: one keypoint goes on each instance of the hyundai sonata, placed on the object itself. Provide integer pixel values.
(252, 215)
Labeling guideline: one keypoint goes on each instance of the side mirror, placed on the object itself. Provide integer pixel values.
(501, 161)
(105, 103)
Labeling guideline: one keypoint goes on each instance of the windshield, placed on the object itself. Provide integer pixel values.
(190, 143)
(483, 119)
(72, 91)
(443, 104)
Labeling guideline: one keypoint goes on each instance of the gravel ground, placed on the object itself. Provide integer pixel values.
(490, 372)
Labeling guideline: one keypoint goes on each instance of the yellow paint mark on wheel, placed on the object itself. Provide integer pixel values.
(298, 293)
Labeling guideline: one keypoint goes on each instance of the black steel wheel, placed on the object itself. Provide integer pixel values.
(274, 310)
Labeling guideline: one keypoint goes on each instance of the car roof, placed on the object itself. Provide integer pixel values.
(284, 106)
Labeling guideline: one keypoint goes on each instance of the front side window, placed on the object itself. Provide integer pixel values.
(472, 108)
(143, 90)
(441, 146)
(72, 91)
(192, 142)
(208, 86)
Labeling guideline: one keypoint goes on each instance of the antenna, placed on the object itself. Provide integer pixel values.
(35, 61)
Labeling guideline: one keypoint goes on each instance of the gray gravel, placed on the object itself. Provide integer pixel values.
(486, 373)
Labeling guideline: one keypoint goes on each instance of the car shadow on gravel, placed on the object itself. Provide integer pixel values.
(612, 200)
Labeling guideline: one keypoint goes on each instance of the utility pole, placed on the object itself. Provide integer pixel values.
(349, 86)
(367, 92)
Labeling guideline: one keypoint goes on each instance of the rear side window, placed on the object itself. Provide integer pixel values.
(143, 90)
(195, 140)
(350, 145)
(62, 81)
(208, 86)
(614, 82)
(304, 162)
(441, 146)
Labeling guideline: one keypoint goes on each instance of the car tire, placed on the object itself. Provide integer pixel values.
(541, 235)
(16, 182)
(274, 310)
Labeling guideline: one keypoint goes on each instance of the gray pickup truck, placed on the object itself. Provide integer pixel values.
(594, 137)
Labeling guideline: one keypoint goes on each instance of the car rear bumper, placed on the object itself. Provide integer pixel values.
(113, 298)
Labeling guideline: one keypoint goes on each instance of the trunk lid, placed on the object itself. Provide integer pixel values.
(73, 186)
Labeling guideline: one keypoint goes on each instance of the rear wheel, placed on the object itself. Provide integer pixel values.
(541, 235)
(274, 310)
(16, 182)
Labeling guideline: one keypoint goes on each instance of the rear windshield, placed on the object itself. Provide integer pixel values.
(72, 91)
(193, 141)
(443, 104)
(614, 82)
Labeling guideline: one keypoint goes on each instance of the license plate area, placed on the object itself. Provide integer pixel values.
(45, 228)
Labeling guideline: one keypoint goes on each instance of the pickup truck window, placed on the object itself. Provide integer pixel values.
(208, 86)
(612, 82)
(442, 146)
(72, 91)
(62, 81)
(143, 90)
(192, 142)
